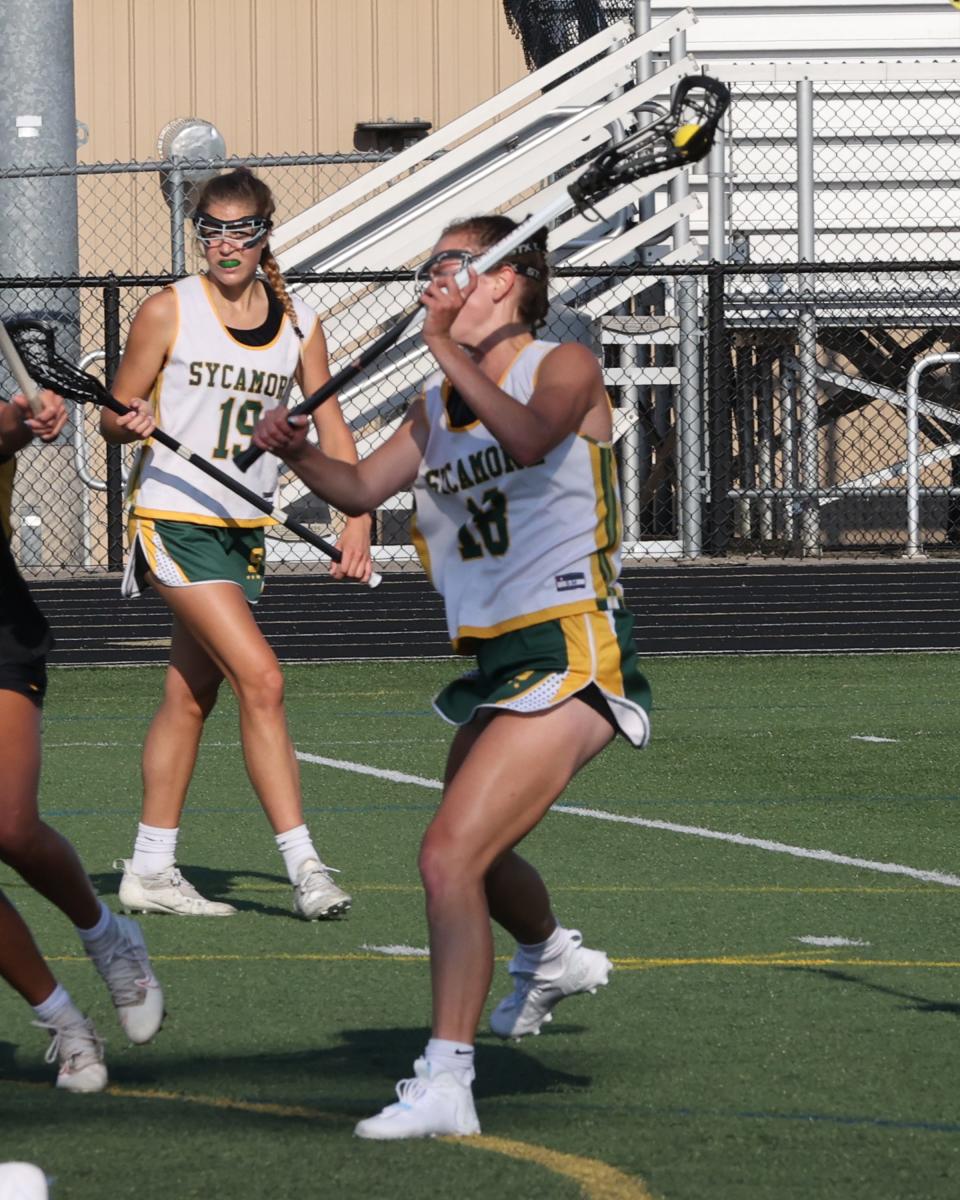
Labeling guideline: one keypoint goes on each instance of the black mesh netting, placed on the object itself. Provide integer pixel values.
(548, 28)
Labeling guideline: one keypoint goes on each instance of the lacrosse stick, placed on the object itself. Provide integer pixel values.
(34, 343)
(682, 133)
(19, 371)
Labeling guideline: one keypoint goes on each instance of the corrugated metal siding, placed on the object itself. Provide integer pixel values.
(282, 76)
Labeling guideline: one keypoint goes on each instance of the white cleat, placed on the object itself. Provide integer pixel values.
(426, 1106)
(534, 998)
(136, 994)
(166, 892)
(22, 1181)
(79, 1050)
(315, 896)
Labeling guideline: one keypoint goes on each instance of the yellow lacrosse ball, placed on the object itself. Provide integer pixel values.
(686, 132)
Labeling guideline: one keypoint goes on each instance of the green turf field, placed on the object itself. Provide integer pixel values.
(728, 1059)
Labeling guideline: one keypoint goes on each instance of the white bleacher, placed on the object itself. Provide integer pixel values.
(511, 154)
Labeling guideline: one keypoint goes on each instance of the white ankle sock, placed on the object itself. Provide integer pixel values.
(103, 932)
(58, 1008)
(296, 846)
(455, 1057)
(154, 850)
(545, 957)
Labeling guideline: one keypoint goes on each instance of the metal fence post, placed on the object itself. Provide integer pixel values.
(914, 546)
(689, 422)
(178, 246)
(720, 445)
(807, 325)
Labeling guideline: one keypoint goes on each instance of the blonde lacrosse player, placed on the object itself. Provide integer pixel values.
(205, 357)
(509, 455)
(44, 859)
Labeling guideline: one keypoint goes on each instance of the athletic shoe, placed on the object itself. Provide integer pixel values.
(22, 1181)
(535, 997)
(427, 1105)
(125, 968)
(166, 892)
(79, 1050)
(315, 896)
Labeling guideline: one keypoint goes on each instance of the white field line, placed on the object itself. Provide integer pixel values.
(811, 940)
(737, 839)
(362, 769)
(398, 951)
(867, 737)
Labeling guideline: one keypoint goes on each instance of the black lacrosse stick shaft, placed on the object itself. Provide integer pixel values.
(251, 497)
(333, 385)
(34, 341)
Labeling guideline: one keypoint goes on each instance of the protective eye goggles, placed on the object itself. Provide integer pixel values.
(244, 232)
(451, 262)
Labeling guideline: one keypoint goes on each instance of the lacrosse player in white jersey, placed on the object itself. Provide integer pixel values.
(509, 454)
(205, 357)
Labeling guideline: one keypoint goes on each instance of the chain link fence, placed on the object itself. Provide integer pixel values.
(762, 407)
(885, 166)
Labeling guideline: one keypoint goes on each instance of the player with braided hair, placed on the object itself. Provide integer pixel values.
(205, 358)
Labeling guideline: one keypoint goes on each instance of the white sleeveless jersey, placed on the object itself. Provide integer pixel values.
(510, 546)
(209, 396)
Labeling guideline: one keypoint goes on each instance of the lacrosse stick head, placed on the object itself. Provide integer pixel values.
(36, 344)
(681, 134)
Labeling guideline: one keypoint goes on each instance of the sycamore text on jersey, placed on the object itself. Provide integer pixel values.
(472, 470)
(237, 379)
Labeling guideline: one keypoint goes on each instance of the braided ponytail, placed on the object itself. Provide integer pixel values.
(278, 285)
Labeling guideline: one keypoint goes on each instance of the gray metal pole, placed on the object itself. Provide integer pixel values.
(38, 235)
(178, 215)
(806, 324)
(643, 23)
(765, 444)
(689, 421)
(914, 546)
(680, 184)
(717, 199)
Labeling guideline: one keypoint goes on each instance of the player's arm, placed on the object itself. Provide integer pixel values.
(18, 425)
(151, 335)
(353, 487)
(569, 383)
(336, 441)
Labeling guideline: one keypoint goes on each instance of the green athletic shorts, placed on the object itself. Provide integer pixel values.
(181, 554)
(536, 668)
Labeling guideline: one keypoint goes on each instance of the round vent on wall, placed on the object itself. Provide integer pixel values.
(195, 141)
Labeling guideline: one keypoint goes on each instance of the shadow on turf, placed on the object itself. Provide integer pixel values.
(373, 1059)
(917, 1003)
(219, 885)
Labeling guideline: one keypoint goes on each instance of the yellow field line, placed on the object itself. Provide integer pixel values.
(775, 959)
(597, 1180)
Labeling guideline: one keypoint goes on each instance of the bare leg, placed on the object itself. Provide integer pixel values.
(41, 856)
(517, 897)
(225, 639)
(170, 749)
(21, 963)
(503, 780)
